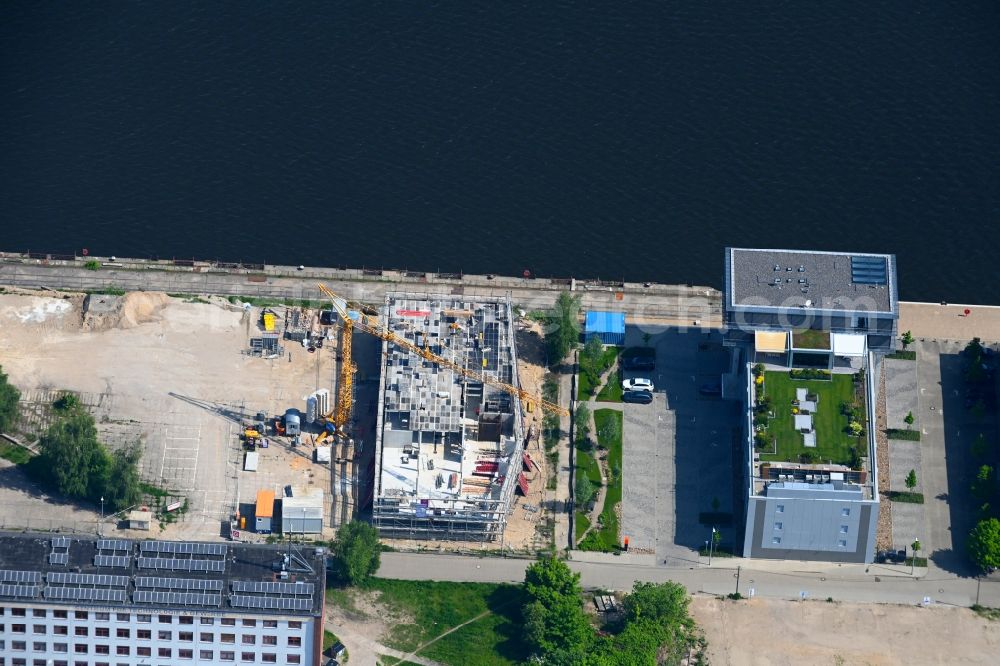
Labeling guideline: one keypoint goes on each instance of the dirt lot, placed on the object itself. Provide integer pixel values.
(775, 632)
(172, 375)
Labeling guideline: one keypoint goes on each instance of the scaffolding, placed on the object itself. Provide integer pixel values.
(448, 448)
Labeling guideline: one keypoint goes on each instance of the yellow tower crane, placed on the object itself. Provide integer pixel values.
(371, 325)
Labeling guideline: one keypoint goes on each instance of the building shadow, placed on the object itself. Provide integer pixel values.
(706, 429)
(961, 426)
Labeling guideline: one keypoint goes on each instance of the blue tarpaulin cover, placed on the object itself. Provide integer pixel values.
(608, 326)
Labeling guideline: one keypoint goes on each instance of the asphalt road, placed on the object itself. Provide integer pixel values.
(818, 580)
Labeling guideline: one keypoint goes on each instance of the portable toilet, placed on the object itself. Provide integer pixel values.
(264, 512)
(293, 422)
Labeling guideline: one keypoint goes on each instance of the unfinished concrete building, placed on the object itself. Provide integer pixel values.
(449, 448)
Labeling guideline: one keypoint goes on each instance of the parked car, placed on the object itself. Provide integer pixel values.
(639, 363)
(711, 389)
(638, 384)
(637, 397)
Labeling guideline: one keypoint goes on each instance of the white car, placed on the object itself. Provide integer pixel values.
(638, 384)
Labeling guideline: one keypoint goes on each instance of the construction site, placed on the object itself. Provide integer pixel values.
(450, 437)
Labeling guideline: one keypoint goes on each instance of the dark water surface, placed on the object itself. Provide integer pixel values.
(588, 139)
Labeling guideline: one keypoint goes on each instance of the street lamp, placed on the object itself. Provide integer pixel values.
(100, 526)
(916, 548)
(711, 547)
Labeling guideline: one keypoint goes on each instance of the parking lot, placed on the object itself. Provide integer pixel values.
(678, 451)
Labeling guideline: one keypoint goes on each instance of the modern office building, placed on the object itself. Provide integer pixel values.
(449, 446)
(809, 330)
(83, 601)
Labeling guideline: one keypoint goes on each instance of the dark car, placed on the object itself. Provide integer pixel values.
(637, 397)
(710, 389)
(640, 363)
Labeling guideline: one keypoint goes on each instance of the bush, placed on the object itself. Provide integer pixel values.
(906, 497)
(9, 397)
(809, 373)
(896, 433)
(92, 265)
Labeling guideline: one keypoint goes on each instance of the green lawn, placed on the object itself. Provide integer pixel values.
(580, 524)
(811, 338)
(612, 390)
(832, 442)
(587, 466)
(607, 538)
(329, 638)
(584, 385)
(435, 607)
(14, 453)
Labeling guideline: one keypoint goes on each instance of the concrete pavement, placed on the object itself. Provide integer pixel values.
(683, 304)
(778, 579)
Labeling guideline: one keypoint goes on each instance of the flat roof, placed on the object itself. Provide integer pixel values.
(605, 322)
(79, 570)
(795, 279)
(265, 504)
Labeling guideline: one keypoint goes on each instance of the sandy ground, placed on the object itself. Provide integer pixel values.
(773, 632)
(172, 375)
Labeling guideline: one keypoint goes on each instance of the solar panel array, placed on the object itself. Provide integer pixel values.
(58, 558)
(279, 603)
(24, 591)
(176, 598)
(178, 583)
(114, 544)
(183, 548)
(120, 561)
(869, 270)
(12, 576)
(272, 588)
(85, 593)
(102, 580)
(174, 564)
(60, 542)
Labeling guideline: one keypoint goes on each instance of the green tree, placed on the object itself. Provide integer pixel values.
(124, 487)
(911, 479)
(982, 485)
(591, 360)
(584, 490)
(562, 331)
(554, 620)
(907, 339)
(610, 430)
(908, 419)
(9, 397)
(71, 457)
(984, 544)
(662, 602)
(581, 421)
(357, 552)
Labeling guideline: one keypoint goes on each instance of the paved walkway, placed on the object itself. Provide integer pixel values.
(949, 322)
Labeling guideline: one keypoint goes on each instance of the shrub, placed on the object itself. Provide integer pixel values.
(92, 265)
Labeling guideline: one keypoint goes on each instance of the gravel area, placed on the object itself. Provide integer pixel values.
(883, 532)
